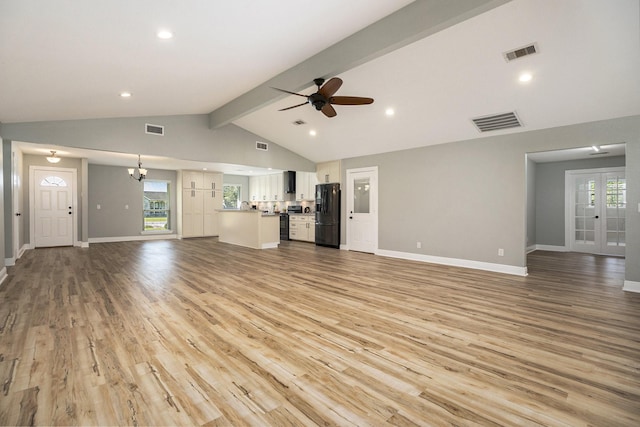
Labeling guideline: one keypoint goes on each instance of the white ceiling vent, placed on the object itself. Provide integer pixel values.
(299, 122)
(154, 129)
(520, 52)
(497, 122)
(262, 146)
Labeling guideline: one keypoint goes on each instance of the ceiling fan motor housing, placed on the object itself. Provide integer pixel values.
(318, 101)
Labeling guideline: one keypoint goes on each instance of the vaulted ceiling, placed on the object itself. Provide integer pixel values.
(436, 63)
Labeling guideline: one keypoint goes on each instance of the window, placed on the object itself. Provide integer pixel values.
(53, 181)
(232, 196)
(156, 204)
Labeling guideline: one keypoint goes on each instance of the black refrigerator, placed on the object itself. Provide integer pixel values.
(328, 215)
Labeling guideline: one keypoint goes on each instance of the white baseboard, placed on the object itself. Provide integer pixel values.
(130, 238)
(9, 262)
(271, 245)
(631, 286)
(3, 275)
(344, 247)
(455, 262)
(551, 248)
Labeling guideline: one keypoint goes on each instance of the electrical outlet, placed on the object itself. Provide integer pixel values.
(419, 245)
(98, 207)
(500, 252)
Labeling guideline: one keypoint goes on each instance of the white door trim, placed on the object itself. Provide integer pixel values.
(32, 198)
(374, 200)
(568, 188)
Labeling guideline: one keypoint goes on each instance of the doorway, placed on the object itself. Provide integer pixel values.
(362, 209)
(52, 206)
(595, 211)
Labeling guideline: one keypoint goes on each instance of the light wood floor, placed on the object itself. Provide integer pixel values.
(197, 332)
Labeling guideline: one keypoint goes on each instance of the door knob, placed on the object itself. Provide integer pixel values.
(597, 216)
(18, 214)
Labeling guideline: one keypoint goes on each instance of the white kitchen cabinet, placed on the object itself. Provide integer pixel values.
(266, 188)
(328, 172)
(306, 185)
(201, 198)
(302, 227)
(192, 213)
(192, 179)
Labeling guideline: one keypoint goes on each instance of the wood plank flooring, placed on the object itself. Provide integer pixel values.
(197, 332)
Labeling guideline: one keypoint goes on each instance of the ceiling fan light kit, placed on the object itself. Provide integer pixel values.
(323, 100)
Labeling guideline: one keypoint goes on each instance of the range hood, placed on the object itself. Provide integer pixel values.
(289, 181)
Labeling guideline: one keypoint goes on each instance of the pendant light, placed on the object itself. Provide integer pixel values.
(141, 172)
(52, 158)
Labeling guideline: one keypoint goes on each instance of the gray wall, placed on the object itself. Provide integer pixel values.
(112, 189)
(632, 174)
(467, 199)
(531, 203)
(186, 137)
(550, 196)
(2, 216)
(241, 180)
(8, 195)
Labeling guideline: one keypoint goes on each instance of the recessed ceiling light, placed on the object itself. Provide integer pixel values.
(164, 34)
(312, 132)
(389, 112)
(125, 94)
(525, 77)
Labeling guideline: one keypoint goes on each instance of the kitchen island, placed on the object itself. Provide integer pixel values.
(249, 228)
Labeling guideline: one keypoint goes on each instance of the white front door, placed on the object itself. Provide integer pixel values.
(53, 207)
(596, 211)
(362, 209)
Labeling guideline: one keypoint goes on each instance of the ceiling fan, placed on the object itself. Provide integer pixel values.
(323, 99)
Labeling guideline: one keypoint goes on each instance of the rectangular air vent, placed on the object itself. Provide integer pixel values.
(262, 146)
(154, 129)
(497, 122)
(520, 52)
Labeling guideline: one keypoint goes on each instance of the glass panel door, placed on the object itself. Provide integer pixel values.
(584, 210)
(598, 208)
(616, 203)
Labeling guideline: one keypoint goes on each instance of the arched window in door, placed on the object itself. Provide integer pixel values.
(53, 181)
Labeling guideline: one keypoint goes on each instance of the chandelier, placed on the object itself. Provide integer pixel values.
(141, 172)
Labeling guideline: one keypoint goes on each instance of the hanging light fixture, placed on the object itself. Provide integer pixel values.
(141, 173)
(52, 158)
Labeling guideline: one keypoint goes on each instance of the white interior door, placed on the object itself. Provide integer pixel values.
(362, 209)
(596, 211)
(53, 207)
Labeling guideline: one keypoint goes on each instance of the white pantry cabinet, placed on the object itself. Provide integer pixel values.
(201, 198)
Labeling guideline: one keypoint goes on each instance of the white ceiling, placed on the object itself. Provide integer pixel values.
(70, 60)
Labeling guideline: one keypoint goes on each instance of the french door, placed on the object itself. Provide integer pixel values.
(362, 209)
(597, 201)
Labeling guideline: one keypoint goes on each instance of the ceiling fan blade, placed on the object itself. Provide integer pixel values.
(350, 100)
(289, 92)
(293, 106)
(328, 110)
(330, 87)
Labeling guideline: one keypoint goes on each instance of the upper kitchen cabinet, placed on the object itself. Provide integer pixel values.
(306, 185)
(266, 188)
(328, 172)
(199, 180)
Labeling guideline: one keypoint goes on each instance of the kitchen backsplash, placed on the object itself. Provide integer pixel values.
(282, 206)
